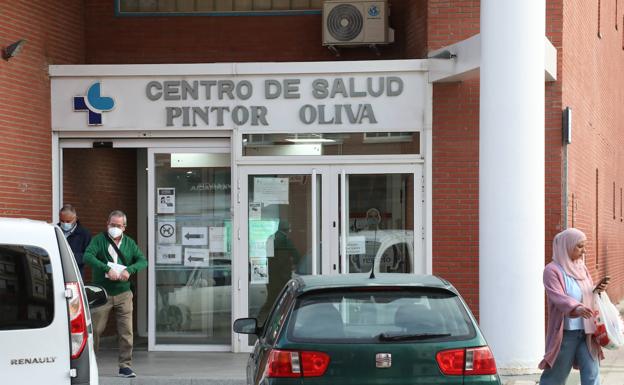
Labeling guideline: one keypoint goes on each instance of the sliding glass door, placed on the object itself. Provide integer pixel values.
(190, 233)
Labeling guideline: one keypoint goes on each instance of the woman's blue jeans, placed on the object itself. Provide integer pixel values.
(573, 349)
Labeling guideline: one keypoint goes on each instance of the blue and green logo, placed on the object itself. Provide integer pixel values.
(373, 11)
(94, 103)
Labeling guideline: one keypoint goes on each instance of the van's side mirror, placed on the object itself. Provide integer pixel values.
(96, 295)
(246, 326)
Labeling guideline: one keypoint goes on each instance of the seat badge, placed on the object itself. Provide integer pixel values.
(383, 360)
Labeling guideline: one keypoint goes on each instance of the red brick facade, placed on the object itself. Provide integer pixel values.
(54, 34)
(592, 86)
(589, 81)
(455, 156)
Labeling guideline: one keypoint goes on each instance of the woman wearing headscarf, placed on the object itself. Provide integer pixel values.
(571, 324)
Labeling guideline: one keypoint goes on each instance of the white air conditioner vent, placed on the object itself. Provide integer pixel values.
(345, 22)
(356, 22)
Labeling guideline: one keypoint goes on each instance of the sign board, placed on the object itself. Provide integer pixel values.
(167, 232)
(196, 257)
(383, 95)
(270, 191)
(196, 236)
(169, 255)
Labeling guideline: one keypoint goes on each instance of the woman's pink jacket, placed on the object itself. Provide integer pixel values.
(559, 306)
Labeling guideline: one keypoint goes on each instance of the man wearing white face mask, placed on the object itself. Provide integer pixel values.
(114, 257)
(76, 234)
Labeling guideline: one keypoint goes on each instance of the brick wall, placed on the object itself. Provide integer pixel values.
(416, 29)
(455, 156)
(553, 133)
(596, 136)
(205, 39)
(592, 73)
(53, 31)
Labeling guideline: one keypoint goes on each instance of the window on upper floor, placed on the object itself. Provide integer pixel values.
(127, 7)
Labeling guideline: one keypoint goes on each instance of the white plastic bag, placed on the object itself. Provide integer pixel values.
(609, 325)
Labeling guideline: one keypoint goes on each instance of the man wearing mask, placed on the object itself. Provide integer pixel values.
(77, 235)
(114, 257)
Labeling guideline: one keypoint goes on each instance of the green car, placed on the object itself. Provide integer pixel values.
(357, 329)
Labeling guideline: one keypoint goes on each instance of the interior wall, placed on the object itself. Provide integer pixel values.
(97, 181)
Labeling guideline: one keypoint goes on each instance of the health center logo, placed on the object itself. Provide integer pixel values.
(94, 103)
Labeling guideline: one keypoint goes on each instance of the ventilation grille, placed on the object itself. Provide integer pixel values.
(344, 22)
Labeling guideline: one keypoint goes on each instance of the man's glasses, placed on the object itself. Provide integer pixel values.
(116, 225)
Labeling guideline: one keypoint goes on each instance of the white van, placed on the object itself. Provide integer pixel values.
(45, 325)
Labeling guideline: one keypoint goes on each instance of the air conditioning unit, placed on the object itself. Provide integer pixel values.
(356, 23)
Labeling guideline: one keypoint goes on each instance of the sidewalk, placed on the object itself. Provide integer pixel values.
(611, 369)
(159, 368)
(214, 368)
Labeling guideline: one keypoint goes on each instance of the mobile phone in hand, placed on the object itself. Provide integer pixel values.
(604, 279)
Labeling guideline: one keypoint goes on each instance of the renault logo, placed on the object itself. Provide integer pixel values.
(383, 360)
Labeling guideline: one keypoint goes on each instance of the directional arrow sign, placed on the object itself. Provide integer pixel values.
(196, 257)
(195, 236)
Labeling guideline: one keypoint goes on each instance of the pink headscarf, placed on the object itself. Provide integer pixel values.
(563, 246)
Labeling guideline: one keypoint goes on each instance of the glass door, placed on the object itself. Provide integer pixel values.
(380, 224)
(281, 228)
(190, 234)
(305, 219)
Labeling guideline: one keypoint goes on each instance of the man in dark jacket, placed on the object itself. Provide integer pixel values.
(77, 235)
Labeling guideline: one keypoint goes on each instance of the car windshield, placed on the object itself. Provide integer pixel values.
(380, 316)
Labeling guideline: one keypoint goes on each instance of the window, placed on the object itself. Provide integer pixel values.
(366, 316)
(318, 144)
(381, 137)
(216, 6)
(26, 291)
(278, 316)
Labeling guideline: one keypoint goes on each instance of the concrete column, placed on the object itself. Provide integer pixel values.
(511, 181)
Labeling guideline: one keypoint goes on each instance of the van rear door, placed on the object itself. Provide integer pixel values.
(34, 332)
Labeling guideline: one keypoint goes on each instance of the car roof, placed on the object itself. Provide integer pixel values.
(25, 231)
(307, 283)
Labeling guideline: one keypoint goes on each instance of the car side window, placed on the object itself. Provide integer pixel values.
(276, 319)
(26, 288)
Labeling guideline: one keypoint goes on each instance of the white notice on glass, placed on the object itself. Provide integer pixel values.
(165, 200)
(195, 236)
(169, 255)
(356, 245)
(255, 210)
(216, 240)
(167, 232)
(271, 191)
(196, 257)
(259, 270)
